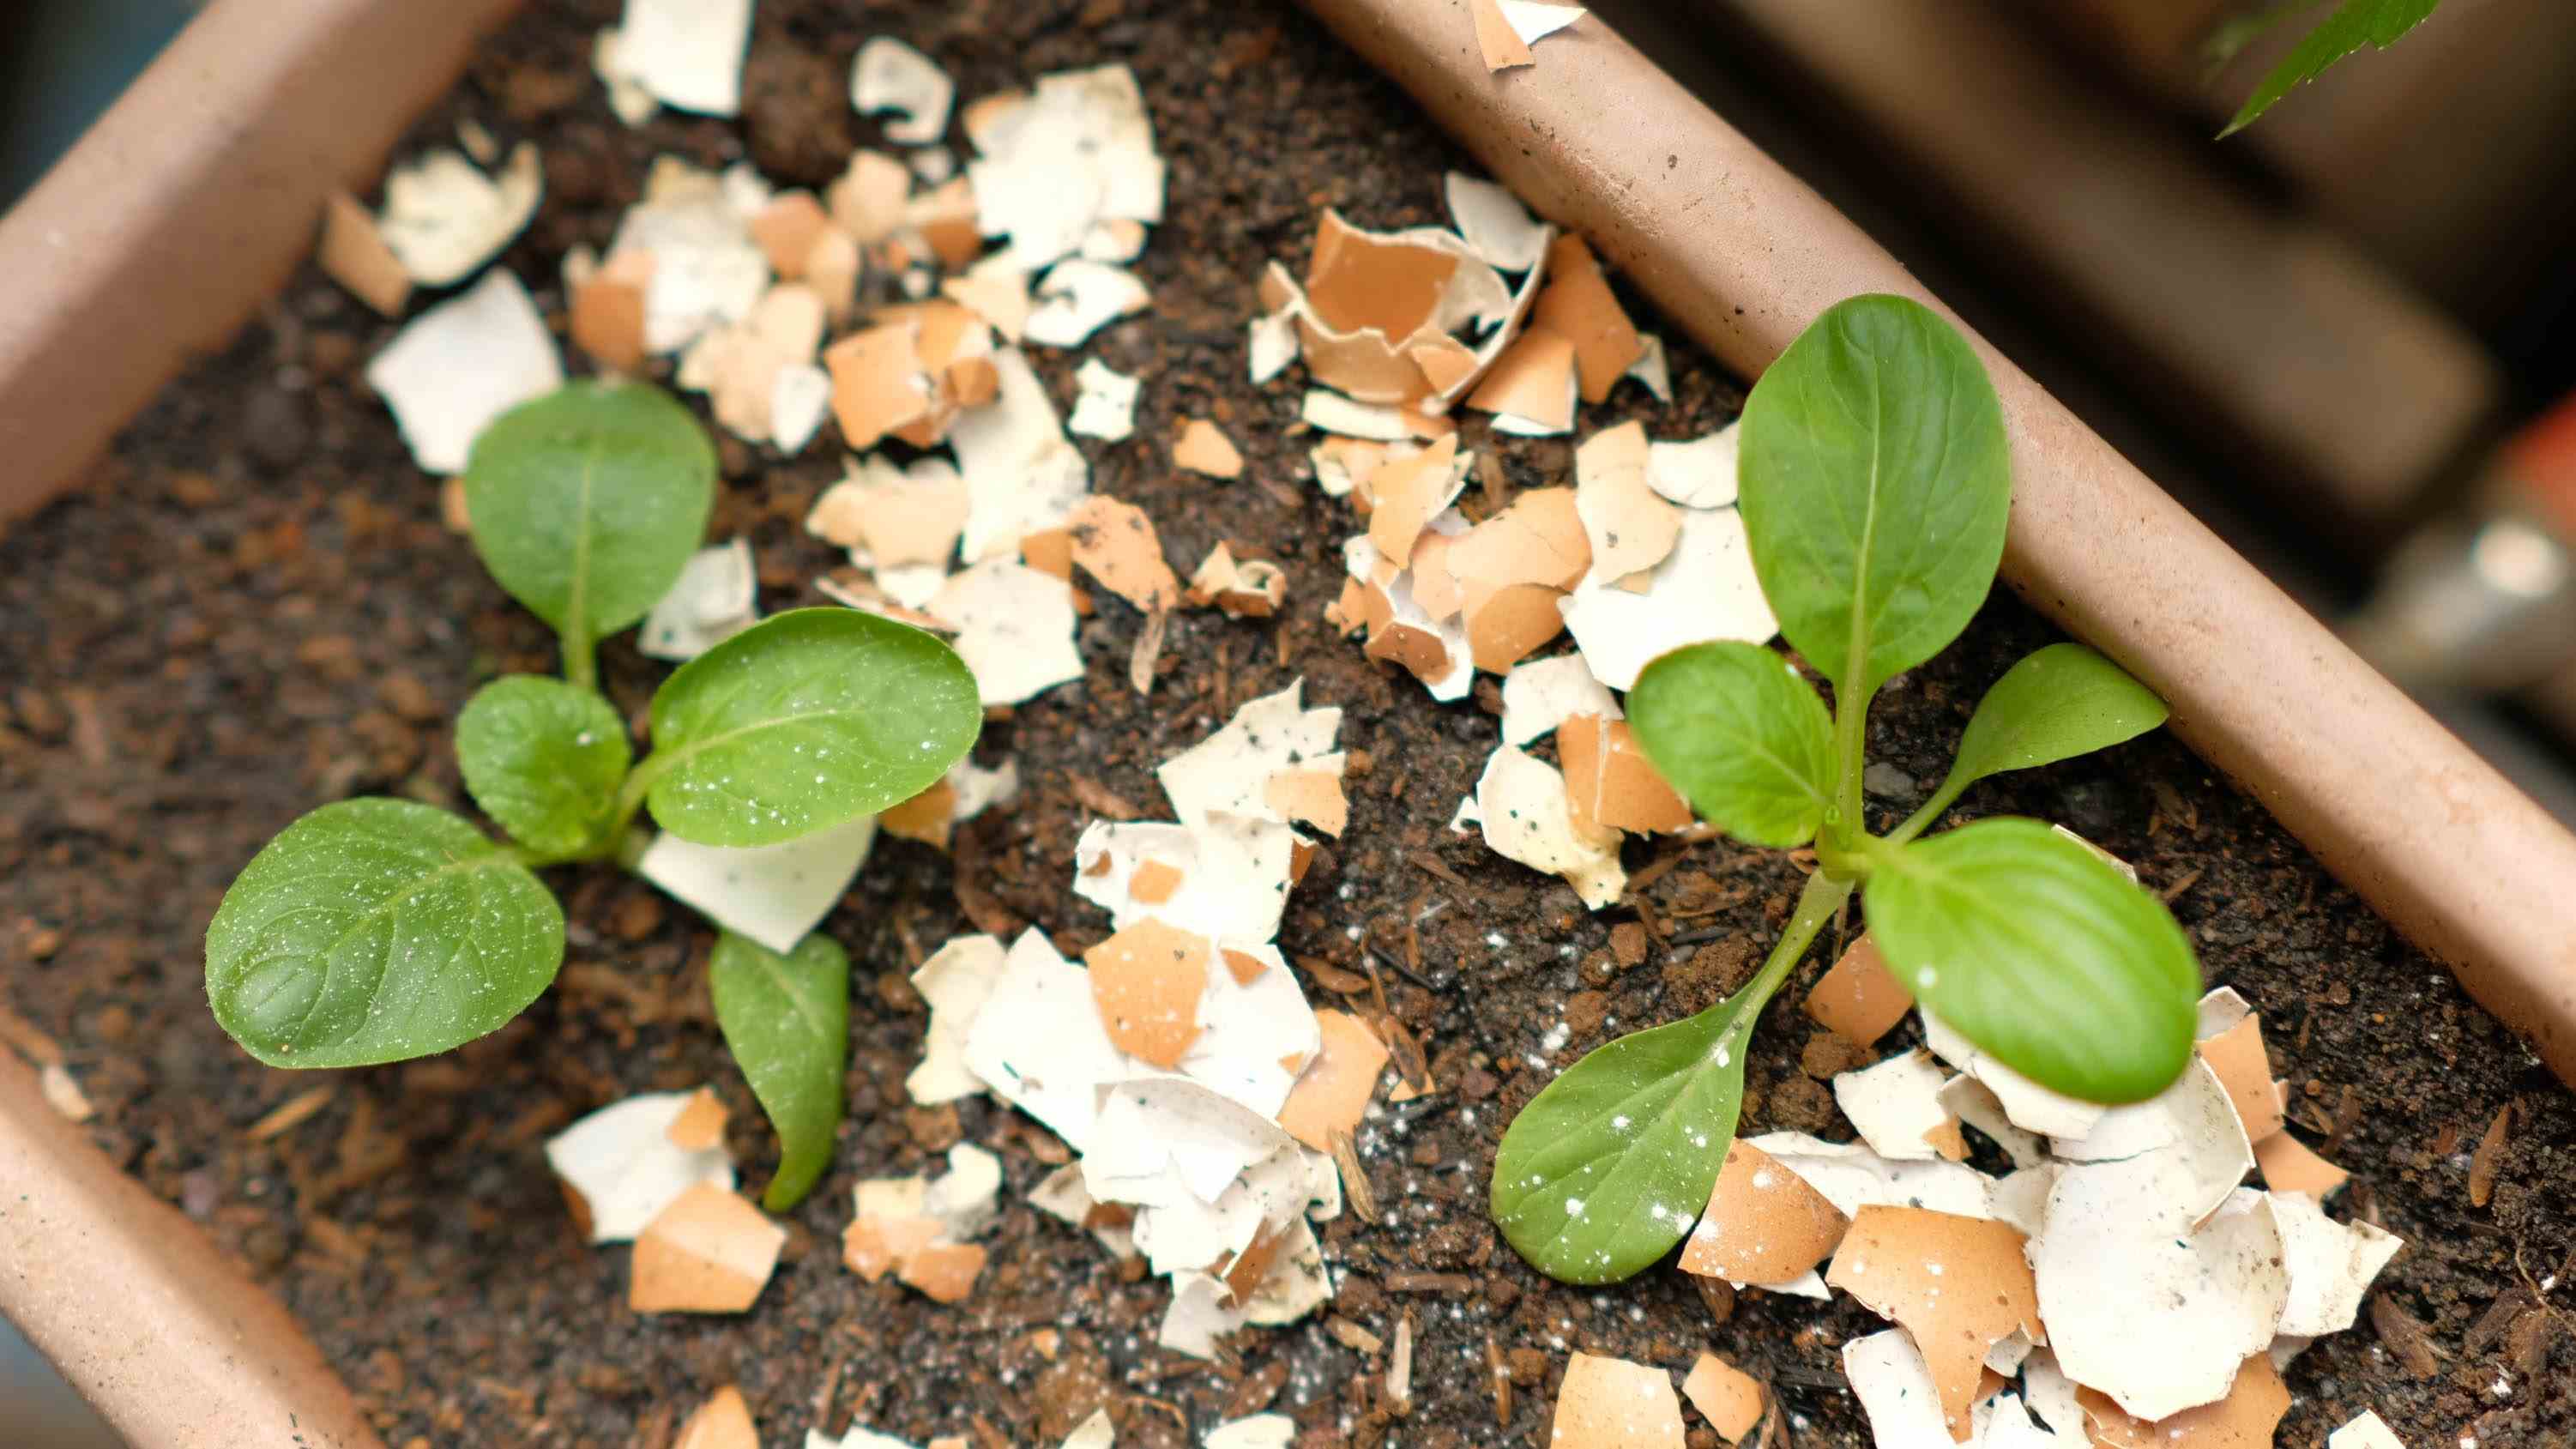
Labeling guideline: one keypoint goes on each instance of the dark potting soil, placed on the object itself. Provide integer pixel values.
(254, 608)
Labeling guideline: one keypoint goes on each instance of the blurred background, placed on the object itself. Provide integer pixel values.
(2340, 336)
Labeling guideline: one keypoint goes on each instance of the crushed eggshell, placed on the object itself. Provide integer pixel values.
(1728, 1397)
(2289, 1165)
(63, 1093)
(1078, 297)
(1975, 1103)
(1106, 406)
(773, 894)
(608, 310)
(1014, 628)
(1077, 150)
(2031, 1107)
(2165, 1164)
(1116, 543)
(460, 364)
(1260, 1431)
(1959, 1285)
(2230, 1038)
(620, 1167)
(1896, 1392)
(1023, 475)
(1408, 493)
(1859, 998)
(892, 76)
(1612, 783)
(1226, 876)
(710, 602)
(1763, 1223)
(444, 218)
(1897, 1107)
(1203, 447)
(722, 1422)
(2244, 1418)
(1630, 525)
(1653, 368)
(1332, 1094)
(710, 1251)
(1852, 1177)
(1493, 222)
(1704, 590)
(708, 269)
(2366, 1431)
(2331, 1265)
(1578, 307)
(1527, 815)
(700, 1124)
(354, 254)
(1539, 696)
(1699, 473)
(1245, 588)
(956, 981)
(687, 53)
(1038, 1042)
(1146, 981)
(1531, 387)
(1610, 1403)
(2159, 1321)
(1229, 771)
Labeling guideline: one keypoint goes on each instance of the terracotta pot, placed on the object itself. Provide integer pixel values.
(197, 195)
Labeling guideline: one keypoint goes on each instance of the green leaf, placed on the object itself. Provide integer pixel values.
(374, 931)
(2040, 952)
(545, 759)
(805, 721)
(1737, 730)
(586, 503)
(1873, 488)
(2058, 702)
(1605, 1170)
(787, 1019)
(2354, 24)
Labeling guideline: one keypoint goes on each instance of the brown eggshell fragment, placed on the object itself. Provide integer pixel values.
(722, 1422)
(868, 200)
(945, 1272)
(1115, 543)
(1420, 652)
(608, 311)
(1578, 306)
(1859, 999)
(1611, 781)
(2245, 1419)
(929, 817)
(2289, 1165)
(1361, 606)
(1959, 1285)
(1537, 540)
(1763, 1223)
(877, 383)
(1610, 1403)
(1512, 623)
(1630, 526)
(354, 254)
(1364, 280)
(1146, 982)
(1728, 1397)
(1203, 447)
(787, 229)
(1313, 797)
(1153, 882)
(1247, 589)
(1333, 1094)
(1529, 380)
(708, 1252)
(700, 1124)
(1501, 45)
(1407, 493)
(874, 1247)
(2237, 1056)
(1243, 966)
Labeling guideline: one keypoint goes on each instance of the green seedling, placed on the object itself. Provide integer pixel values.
(2354, 24)
(1873, 485)
(378, 930)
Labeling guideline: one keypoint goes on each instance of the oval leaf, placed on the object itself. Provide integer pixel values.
(1873, 485)
(2057, 703)
(2038, 951)
(1736, 729)
(787, 1019)
(374, 931)
(808, 720)
(586, 502)
(1604, 1171)
(544, 758)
